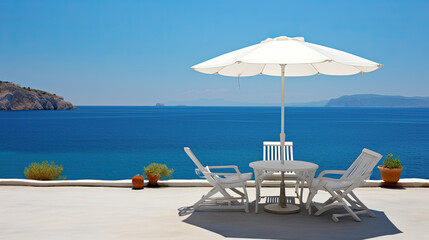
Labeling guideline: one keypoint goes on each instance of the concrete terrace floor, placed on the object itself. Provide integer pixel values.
(152, 213)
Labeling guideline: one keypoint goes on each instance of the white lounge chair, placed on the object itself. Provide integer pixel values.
(341, 189)
(221, 182)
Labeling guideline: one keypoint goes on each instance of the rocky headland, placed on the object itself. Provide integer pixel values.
(15, 97)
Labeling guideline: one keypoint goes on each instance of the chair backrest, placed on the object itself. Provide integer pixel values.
(363, 165)
(195, 160)
(271, 151)
(200, 170)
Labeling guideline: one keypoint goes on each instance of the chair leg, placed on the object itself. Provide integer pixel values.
(297, 183)
(258, 185)
(237, 191)
(352, 203)
(336, 216)
(329, 201)
(224, 193)
(301, 194)
(341, 202)
(246, 206)
(205, 197)
(301, 186)
(325, 208)
(362, 205)
(353, 214)
(311, 195)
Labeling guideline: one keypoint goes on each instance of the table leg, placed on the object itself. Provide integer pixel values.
(258, 189)
(282, 207)
(302, 192)
(309, 182)
(282, 198)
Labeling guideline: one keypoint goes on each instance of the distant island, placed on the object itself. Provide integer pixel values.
(374, 100)
(15, 97)
(357, 100)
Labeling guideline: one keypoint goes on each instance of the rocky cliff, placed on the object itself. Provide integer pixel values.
(15, 97)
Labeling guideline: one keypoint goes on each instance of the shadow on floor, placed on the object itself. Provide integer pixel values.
(295, 226)
(393, 187)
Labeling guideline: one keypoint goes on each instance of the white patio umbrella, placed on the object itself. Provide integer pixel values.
(284, 56)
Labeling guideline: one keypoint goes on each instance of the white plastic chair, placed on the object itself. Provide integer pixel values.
(221, 182)
(271, 152)
(341, 189)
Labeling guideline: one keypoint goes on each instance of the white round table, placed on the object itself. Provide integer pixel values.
(275, 165)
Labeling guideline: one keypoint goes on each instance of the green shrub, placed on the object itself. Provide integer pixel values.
(44, 171)
(391, 162)
(159, 170)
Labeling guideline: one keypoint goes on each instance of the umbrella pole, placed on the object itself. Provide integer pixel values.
(282, 198)
(282, 207)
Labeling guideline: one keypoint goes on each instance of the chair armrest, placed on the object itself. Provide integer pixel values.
(330, 172)
(224, 174)
(352, 180)
(227, 166)
(228, 174)
(237, 172)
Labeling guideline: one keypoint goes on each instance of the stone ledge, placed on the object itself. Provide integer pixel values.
(406, 182)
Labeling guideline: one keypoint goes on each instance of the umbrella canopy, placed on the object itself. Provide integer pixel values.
(301, 59)
(284, 56)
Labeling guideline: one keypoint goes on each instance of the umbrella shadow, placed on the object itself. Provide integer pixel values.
(294, 226)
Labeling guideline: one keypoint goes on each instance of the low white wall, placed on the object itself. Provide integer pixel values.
(407, 182)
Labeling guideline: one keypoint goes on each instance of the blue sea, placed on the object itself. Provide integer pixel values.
(117, 142)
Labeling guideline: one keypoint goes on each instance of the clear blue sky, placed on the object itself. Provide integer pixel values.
(140, 52)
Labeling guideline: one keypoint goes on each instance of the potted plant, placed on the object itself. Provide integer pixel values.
(391, 170)
(157, 171)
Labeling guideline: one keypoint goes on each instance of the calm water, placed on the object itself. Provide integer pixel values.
(117, 142)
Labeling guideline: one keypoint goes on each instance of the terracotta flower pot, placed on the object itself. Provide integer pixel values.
(138, 182)
(153, 180)
(390, 175)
